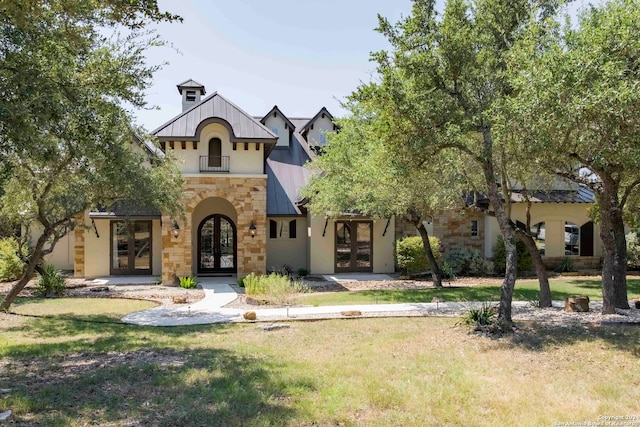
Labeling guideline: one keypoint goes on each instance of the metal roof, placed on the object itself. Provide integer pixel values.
(286, 175)
(582, 194)
(323, 110)
(215, 108)
(125, 209)
(192, 84)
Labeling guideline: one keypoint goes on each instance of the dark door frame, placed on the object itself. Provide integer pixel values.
(354, 247)
(216, 239)
(131, 270)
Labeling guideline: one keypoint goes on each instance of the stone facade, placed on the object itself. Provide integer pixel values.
(454, 229)
(78, 249)
(247, 195)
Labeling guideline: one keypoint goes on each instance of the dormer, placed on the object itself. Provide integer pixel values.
(191, 92)
(316, 129)
(279, 125)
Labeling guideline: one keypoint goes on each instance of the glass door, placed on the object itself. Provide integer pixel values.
(216, 245)
(354, 246)
(131, 247)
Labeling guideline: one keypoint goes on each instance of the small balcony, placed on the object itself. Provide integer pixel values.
(214, 164)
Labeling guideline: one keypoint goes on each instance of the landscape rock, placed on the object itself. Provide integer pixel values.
(4, 416)
(179, 299)
(351, 313)
(249, 315)
(576, 303)
(100, 289)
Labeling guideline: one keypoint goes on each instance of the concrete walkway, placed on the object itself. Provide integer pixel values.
(217, 295)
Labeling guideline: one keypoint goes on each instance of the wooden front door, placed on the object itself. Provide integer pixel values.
(217, 245)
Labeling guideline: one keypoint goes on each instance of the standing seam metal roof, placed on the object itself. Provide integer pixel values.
(243, 126)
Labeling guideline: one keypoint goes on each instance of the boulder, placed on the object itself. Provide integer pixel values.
(179, 299)
(249, 315)
(351, 313)
(576, 303)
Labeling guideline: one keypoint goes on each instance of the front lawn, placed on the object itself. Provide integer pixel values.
(373, 372)
(525, 290)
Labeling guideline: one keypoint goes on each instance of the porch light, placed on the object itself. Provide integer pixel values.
(252, 230)
(176, 229)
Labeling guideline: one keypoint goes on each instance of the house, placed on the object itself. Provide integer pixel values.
(243, 209)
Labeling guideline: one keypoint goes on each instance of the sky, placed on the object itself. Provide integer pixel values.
(300, 55)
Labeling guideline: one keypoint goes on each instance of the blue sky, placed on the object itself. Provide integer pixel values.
(300, 55)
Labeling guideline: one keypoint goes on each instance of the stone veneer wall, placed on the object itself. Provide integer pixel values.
(249, 198)
(78, 249)
(454, 230)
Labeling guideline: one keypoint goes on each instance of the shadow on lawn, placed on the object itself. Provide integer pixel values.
(538, 338)
(126, 375)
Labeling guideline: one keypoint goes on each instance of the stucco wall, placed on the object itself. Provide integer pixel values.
(62, 256)
(241, 161)
(277, 126)
(321, 126)
(285, 250)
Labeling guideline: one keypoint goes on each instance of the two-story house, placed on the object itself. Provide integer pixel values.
(243, 209)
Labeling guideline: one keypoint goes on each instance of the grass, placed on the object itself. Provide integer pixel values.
(98, 309)
(525, 290)
(374, 372)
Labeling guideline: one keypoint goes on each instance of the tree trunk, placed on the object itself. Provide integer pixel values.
(508, 235)
(621, 299)
(541, 270)
(32, 265)
(436, 272)
(609, 246)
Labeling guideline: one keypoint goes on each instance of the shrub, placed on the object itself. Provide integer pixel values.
(500, 257)
(468, 262)
(566, 266)
(303, 272)
(188, 282)
(633, 250)
(51, 283)
(276, 288)
(478, 317)
(11, 266)
(410, 256)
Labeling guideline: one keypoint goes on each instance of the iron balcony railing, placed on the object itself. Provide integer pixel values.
(214, 164)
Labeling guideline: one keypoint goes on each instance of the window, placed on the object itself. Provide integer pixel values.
(282, 229)
(474, 228)
(215, 153)
(571, 239)
(538, 232)
(191, 95)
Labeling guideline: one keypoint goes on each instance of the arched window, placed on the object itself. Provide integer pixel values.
(215, 153)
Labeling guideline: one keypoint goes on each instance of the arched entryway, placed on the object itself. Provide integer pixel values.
(217, 245)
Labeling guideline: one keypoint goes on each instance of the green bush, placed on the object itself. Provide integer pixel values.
(483, 316)
(633, 250)
(525, 263)
(51, 283)
(275, 288)
(410, 256)
(566, 265)
(468, 262)
(11, 267)
(188, 282)
(303, 272)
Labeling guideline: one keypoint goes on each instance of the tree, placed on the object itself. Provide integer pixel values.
(376, 166)
(66, 134)
(577, 93)
(458, 71)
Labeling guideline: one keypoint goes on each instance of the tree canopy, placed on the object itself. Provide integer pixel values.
(70, 71)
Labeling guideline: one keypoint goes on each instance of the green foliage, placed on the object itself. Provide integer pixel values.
(241, 282)
(410, 256)
(303, 272)
(633, 250)
(566, 265)
(188, 282)
(447, 271)
(11, 266)
(525, 263)
(484, 315)
(51, 283)
(276, 288)
(464, 261)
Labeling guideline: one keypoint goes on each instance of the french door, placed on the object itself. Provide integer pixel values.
(354, 246)
(217, 245)
(131, 247)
